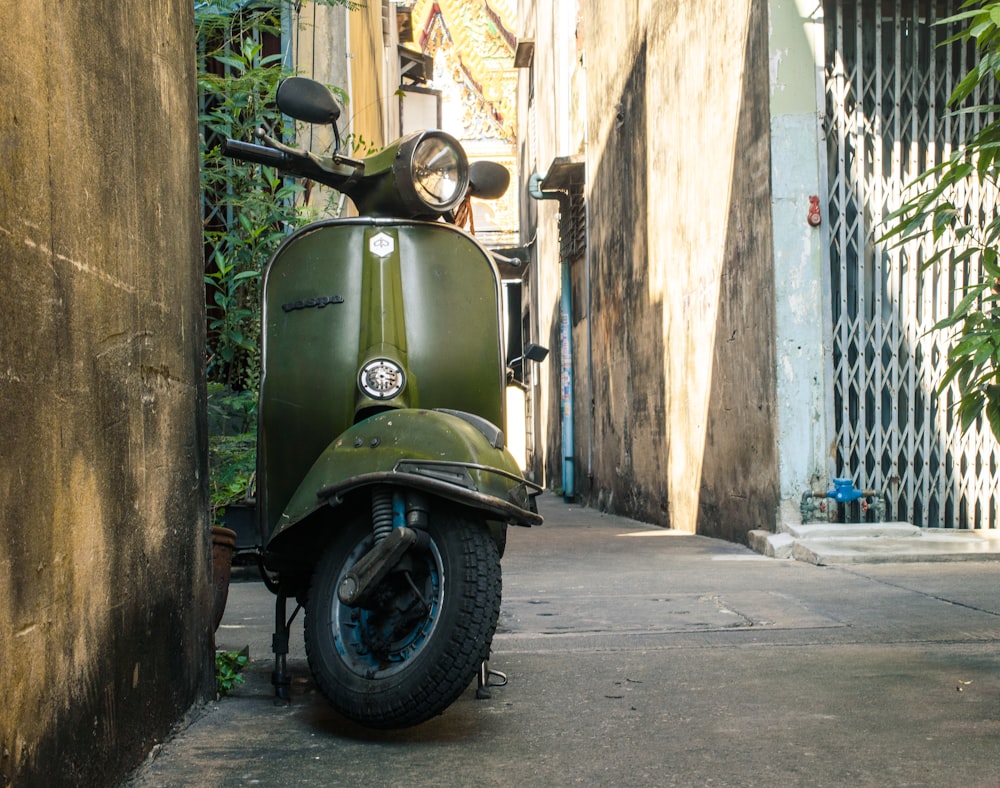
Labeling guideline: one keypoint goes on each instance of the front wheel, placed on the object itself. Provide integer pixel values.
(419, 641)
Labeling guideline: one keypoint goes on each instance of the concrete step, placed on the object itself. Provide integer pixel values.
(895, 530)
(871, 543)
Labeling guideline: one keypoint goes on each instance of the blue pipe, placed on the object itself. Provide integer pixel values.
(566, 379)
(565, 345)
(813, 509)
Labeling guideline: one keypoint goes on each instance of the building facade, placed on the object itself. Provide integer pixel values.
(709, 183)
(653, 270)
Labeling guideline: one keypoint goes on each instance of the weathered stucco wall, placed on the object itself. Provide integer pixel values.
(105, 620)
(677, 364)
(803, 318)
(548, 127)
(682, 290)
(370, 101)
(318, 43)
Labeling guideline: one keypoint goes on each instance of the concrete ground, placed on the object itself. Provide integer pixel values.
(642, 657)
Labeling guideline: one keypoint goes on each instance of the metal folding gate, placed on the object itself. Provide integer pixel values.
(887, 84)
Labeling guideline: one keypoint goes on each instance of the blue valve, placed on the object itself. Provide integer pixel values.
(844, 491)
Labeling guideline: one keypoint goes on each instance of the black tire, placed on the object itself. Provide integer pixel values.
(402, 678)
(499, 532)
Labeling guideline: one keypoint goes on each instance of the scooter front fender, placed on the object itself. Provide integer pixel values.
(453, 455)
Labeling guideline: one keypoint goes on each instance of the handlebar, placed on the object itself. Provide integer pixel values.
(258, 154)
(338, 172)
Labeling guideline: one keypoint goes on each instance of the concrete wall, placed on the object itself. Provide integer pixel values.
(681, 308)
(804, 344)
(371, 100)
(549, 126)
(316, 47)
(318, 44)
(105, 620)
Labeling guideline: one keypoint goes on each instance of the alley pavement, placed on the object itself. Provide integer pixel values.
(639, 656)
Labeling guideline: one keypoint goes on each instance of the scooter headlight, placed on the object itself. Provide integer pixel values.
(381, 378)
(432, 171)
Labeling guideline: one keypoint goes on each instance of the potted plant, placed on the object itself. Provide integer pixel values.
(232, 451)
(232, 457)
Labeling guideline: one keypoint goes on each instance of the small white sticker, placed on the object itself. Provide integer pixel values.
(381, 244)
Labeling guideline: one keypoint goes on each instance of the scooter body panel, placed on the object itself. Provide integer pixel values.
(446, 454)
(384, 489)
(333, 300)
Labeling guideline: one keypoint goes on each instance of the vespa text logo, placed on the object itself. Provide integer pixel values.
(310, 303)
(381, 245)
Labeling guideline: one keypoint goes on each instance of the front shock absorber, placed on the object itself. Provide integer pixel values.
(381, 512)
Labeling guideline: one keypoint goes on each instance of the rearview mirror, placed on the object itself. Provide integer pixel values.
(535, 352)
(307, 100)
(515, 367)
(488, 180)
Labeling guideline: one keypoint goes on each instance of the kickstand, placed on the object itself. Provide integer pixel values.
(279, 645)
(489, 678)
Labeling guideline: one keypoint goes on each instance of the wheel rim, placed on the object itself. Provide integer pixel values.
(379, 642)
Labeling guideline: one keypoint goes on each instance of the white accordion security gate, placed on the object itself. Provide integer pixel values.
(887, 84)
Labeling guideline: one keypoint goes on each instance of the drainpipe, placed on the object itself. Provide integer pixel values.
(566, 378)
(565, 344)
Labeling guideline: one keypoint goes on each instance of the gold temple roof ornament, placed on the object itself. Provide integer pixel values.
(473, 49)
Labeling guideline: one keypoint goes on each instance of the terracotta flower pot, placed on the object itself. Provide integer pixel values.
(223, 544)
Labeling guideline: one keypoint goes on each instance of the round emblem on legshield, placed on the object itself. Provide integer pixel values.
(381, 378)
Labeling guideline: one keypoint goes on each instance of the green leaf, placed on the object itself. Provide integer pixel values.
(960, 311)
(949, 375)
(969, 409)
(244, 275)
(932, 259)
(968, 346)
(993, 415)
(989, 260)
(986, 350)
(233, 62)
(960, 17)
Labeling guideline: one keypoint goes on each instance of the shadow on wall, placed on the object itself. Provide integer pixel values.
(739, 485)
(682, 314)
(629, 418)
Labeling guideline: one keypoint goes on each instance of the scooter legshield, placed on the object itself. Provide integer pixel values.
(452, 455)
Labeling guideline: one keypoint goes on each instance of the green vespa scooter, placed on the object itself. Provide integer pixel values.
(384, 487)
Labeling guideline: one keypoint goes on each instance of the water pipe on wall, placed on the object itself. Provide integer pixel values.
(814, 508)
(565, 344)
